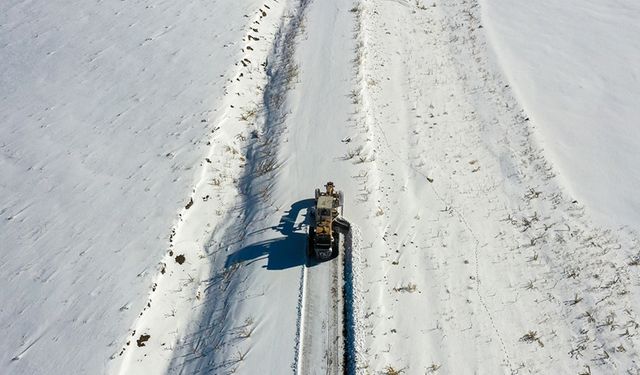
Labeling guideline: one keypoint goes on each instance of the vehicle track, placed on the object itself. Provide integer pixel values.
(320, 336)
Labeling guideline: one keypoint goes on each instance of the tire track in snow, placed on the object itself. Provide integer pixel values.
(320, 349)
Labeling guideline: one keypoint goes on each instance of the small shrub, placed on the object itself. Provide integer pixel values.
(392, 371)
(409, 288)
(142, 340)
(531, 336)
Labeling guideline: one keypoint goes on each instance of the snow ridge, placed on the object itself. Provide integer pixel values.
(299, 344)
(353, 302)
(356, 359)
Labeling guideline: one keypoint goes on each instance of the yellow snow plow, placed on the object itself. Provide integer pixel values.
(327, 223)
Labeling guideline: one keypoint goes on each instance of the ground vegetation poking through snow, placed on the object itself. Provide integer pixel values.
(468, 252)
(455, 152)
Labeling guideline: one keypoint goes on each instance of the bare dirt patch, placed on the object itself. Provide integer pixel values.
(180, 259)
(142, 340)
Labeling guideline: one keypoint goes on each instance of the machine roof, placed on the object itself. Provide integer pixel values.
(325, 201)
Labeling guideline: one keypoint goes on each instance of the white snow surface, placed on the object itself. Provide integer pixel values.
(573, 67)
(138, 133)
(101, 111)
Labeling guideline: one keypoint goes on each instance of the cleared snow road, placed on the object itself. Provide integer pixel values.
(322, 345)
(318, 124)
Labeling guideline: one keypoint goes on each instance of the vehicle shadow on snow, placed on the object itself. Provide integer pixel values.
(284, 252)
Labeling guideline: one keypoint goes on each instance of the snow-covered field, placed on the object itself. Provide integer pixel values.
(105, 109)
(158, 161)
(572, 66)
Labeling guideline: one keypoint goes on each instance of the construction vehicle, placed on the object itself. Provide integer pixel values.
(327, 223)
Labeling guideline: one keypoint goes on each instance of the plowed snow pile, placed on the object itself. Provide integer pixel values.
(105, 109)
